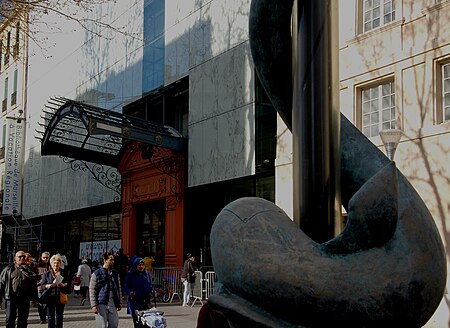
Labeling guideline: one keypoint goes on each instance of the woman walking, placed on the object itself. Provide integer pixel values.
(54, 283)
(84, 272)
(138, 287)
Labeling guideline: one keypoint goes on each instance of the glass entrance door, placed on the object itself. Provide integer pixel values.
(150, 230)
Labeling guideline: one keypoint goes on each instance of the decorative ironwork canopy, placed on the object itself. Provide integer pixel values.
(84, 132)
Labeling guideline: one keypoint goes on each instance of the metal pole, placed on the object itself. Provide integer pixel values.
(315, 124)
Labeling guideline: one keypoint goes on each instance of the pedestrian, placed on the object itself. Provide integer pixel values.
(104, 294)
(31, 262)
(138, 287)
(121, 265)
(84, 273)
(43, 267)
(148, 261)
(53, 283)
(140, 252)
(18, 288)
(64, 262)
(188, 278)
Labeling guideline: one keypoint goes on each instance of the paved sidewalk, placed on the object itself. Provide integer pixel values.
(76, 316)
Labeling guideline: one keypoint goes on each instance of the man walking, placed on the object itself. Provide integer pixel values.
(104, 294)
(18, 287)
(121, 265)
(43, 267)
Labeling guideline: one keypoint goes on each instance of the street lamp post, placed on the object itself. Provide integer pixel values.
(390, 139)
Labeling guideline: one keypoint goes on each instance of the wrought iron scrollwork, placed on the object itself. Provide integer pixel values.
(105, 175)
(168, 163)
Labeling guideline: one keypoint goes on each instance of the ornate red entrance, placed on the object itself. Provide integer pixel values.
(151, 173)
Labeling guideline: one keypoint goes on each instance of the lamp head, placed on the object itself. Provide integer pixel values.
(390, 139)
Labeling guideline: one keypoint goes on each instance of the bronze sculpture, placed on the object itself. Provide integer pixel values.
(387, 268)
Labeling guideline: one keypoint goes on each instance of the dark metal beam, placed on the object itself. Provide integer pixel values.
(315, 124)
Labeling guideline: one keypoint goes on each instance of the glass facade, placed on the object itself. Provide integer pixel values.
(170, 106)
(153, 68)
(266, 130)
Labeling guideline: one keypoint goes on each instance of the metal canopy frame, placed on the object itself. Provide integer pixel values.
(77, 130)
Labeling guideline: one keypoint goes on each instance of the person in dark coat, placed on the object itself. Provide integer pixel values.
(104, 294)
(53, 283)
(138, 287)
(121, 265)
(18, 288)
(43, 267)
(188, 278)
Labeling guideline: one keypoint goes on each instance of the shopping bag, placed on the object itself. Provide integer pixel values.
(76, 280)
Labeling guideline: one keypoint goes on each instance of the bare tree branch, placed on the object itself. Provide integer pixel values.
(36, 12)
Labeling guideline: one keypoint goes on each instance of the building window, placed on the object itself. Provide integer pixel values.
(445, 92)
(14, 93)
(16, 44)
(4, 135)
(2, 149)
(8, 44)
(169, 106)
(378, 109)
(5, 96)
(377, 13)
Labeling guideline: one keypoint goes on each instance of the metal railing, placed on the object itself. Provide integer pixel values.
(170, 277)
(208, 283)
(197, 291)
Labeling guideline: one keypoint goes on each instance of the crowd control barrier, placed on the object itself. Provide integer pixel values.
(208, 283)
(169, 278)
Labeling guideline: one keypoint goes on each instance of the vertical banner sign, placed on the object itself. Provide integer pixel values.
(15, 132)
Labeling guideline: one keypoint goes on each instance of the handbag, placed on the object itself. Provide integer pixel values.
(76, 280)
(63, 298)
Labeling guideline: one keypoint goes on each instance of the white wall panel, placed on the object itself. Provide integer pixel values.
(221, 118)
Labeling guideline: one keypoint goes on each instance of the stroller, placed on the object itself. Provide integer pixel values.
(152, 318)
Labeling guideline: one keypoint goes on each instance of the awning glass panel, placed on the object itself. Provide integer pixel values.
(80, 131)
